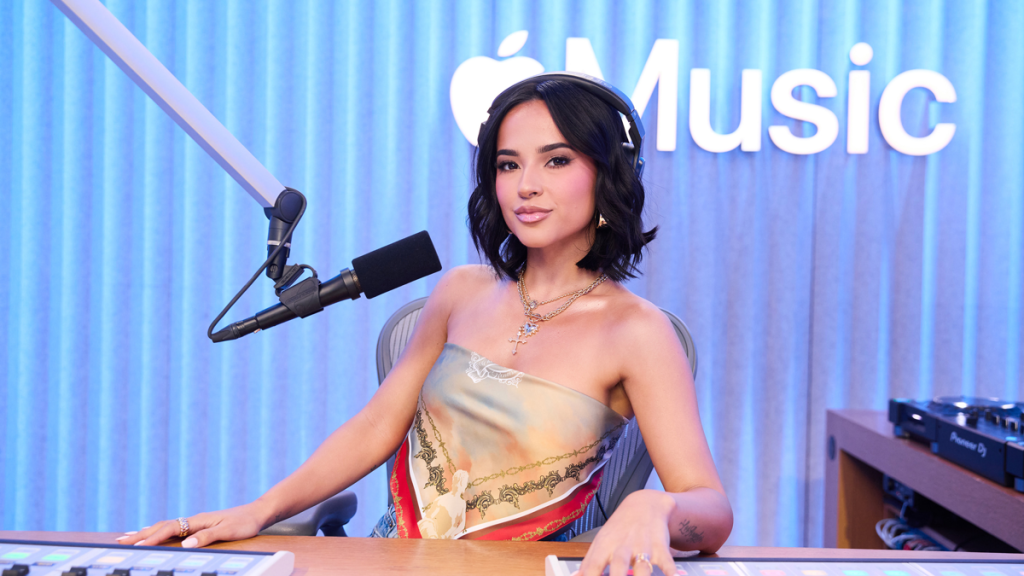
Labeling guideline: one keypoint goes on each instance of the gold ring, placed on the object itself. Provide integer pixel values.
(182, 527)
(643, 557)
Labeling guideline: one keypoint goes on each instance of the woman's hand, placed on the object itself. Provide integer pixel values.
(236, 523)
(638, 527)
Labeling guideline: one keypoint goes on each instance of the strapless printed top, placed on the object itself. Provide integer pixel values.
(497, 454)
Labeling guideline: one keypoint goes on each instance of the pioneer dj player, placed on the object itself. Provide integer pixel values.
(981, 434)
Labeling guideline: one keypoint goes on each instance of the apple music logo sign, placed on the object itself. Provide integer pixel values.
(480, 79)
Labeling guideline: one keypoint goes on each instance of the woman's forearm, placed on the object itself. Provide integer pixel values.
(349, 453)
(700, 520)
(648, 522)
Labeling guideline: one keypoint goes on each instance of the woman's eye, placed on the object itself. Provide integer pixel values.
(559, 161)
(506, 166)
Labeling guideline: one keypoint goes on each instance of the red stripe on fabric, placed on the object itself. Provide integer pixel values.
(405, 502)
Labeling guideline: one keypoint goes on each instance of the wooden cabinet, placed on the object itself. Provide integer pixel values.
(861, 449)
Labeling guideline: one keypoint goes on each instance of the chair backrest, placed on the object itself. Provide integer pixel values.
(629, 466)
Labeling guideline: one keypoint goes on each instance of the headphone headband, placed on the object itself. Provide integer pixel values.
(613, 97)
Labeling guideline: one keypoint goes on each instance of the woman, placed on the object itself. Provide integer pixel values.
(489, 446)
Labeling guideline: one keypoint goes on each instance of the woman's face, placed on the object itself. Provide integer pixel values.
(545, 188)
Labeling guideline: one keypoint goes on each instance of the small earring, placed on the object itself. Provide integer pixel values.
(601, 222)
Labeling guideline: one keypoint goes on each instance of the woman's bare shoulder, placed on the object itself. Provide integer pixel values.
(457, 286)
(467, 277)
(640, 325)
(461, 283)
(475, 273)
(648, 352)
(631, 312)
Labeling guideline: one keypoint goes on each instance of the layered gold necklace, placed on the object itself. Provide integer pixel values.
(532, 323)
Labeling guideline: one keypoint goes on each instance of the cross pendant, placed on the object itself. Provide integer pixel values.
(517, 341)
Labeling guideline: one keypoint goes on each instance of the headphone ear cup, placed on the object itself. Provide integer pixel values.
(637, 160)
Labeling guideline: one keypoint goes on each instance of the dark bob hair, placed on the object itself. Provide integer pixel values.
(591, 127)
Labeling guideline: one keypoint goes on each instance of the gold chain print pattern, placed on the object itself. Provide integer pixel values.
(435, 474)
(508, 493)
(511, 493)
(517, 469)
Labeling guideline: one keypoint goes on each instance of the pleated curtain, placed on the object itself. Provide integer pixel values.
(831, 280)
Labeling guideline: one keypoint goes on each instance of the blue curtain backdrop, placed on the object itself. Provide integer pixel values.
(810, 282)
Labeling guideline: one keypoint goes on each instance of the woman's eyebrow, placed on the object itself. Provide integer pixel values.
(554, 146)
(542, 150)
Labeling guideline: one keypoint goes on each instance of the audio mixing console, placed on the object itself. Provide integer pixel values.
(555, 566)
(33, 558)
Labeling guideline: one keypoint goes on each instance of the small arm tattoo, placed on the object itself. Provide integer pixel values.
(277, 518)
(689, 532)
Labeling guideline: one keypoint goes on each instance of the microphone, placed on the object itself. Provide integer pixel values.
(372, 274)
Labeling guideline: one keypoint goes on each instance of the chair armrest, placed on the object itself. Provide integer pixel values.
(587, 536)
(329, 516)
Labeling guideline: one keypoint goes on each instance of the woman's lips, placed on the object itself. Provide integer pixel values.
(532, 216)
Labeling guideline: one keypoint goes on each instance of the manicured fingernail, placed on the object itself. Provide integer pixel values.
(190, 543)
(139, 543)
(125, 537)
(130, 533)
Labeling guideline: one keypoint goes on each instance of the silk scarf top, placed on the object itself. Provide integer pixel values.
(498, 454)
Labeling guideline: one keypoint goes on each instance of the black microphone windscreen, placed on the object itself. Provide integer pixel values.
(396, 264)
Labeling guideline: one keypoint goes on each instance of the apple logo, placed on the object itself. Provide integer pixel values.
(480, 79)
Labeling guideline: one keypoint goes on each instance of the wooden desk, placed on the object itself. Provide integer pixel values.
(363, 556)
(865, 449)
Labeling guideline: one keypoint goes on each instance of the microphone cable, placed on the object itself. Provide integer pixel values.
(284, 241)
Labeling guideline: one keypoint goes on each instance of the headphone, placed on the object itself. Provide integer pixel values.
(613, 97)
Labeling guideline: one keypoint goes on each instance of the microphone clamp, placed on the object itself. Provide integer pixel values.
(303, 299)
(310, 296)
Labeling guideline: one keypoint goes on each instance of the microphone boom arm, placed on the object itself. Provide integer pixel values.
(125, 50)
(283, 206)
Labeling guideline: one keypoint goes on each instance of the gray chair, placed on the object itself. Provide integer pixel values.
(328, 517)
(628, 469)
